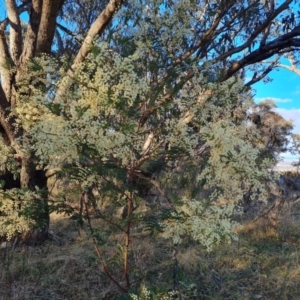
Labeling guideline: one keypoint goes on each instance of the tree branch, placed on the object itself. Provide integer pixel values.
(283, 44)
(5, 60)
(292, 67)
(69, 32)
(8, 124)
(47, 25)
(258, 30)
(32, 31)
(20, 9)
(264, 73)
(15, 36)
(97, 28)
(206, 36)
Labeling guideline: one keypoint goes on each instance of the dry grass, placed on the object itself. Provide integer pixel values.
(67, 266)
(263, 264)
(61, 269)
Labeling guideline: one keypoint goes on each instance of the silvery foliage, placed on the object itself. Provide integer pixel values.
(131, 104)
(13, 221)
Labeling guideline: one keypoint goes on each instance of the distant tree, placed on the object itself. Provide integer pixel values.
(275, 130)
(295, 149)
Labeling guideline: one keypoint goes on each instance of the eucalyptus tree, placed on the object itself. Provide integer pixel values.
(180, 40)
(275, 130)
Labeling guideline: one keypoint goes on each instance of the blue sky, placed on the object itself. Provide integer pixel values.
(284, 89)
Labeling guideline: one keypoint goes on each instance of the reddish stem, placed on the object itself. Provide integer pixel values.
(104, 267)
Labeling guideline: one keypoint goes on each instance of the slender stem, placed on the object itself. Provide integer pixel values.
(176, 286)
(104, 267)
(128, 224)
(175, 283)
(127, 239)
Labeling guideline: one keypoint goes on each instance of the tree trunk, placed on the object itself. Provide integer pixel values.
(32, 178)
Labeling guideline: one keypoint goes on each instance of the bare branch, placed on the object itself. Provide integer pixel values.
(256, 32)
(103, 264)
(20, 9)
(290, 68)
(271, 66)
(207, 36)
(97, 28)
(32, 31)
(69, 32)
(47, 25)
(15, 35)
(8, 124)
(5, 60)
(293, 67)
(6, 57)
(283, 44)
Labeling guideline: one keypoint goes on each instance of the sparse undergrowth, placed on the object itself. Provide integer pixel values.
(263, 264)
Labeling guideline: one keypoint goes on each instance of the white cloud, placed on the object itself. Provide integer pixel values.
(276, 100)
(285, 166)
(291, 114)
